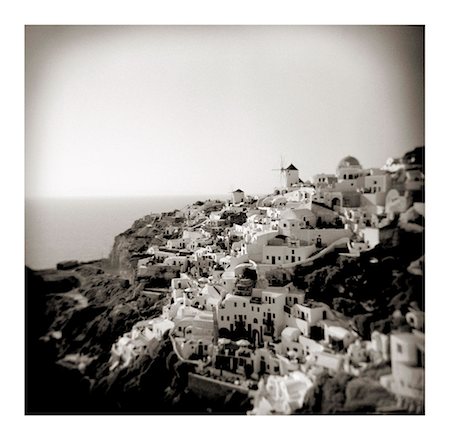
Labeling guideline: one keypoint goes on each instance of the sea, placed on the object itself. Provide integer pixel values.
(83, 229)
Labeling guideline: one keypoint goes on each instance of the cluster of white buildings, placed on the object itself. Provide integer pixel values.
(230, 322)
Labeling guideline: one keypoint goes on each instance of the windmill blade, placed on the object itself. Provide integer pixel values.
(282, 169)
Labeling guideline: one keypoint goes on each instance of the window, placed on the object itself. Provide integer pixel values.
(243, 304)
(267, 257)
(228, 318)
(292, 251)
(279, 258)
(221, 318)
(284, 225)
(235, 304)
(255, 321)
(287, 258)
(399, 348)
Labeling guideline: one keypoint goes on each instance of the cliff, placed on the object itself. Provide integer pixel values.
(75, 313)
(73, 318)
(150, 230)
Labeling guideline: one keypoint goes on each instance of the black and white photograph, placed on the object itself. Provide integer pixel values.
(224, 220)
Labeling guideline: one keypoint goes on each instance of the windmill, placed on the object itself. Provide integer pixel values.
(282, 169)
(288, 176)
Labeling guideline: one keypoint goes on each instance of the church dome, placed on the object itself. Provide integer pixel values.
(349, 162)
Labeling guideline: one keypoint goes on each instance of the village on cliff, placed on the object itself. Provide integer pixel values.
(233, 311)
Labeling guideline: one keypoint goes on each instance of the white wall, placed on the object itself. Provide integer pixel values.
(237, 197)
(371, 236)
(284, 254)
(328, 236)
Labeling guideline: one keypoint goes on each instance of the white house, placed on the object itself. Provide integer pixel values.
(331, 362)
(180, 262)
(176, 243)
(337, 335)
(307, 316)
(292, 220)
(408, 374)
(282, 253)
(254, 248)
(301, 197)
(261, 317)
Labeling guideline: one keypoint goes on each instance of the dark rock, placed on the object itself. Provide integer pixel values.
(364, 395)
(68, 264)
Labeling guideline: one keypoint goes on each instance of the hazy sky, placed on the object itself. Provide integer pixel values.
(151, 110)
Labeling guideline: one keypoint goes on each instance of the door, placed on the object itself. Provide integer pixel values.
(273, 260)
(293, 259)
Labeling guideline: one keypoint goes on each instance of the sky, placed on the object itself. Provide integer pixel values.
(118, 111)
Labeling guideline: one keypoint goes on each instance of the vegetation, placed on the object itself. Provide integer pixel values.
(368, 289)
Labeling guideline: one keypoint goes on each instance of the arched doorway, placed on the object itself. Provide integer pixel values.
(335, 203)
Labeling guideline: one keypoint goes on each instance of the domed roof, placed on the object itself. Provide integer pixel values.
(349, 162)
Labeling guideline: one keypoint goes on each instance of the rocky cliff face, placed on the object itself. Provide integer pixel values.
(75, 314)
(73, 318)
(135, 241)
(120, 256)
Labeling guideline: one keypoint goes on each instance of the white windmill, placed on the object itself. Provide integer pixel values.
(288, 176)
